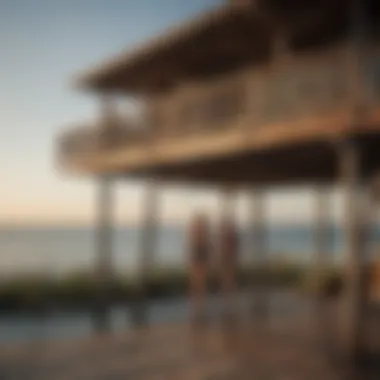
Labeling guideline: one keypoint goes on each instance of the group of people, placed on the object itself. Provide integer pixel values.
(211, 253)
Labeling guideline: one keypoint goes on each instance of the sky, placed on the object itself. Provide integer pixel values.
(43, 44)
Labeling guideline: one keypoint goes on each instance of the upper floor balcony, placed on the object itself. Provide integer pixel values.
(300, 97)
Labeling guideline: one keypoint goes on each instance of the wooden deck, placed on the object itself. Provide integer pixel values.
(281, 348)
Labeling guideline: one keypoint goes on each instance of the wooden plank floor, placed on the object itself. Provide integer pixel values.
(286, 348)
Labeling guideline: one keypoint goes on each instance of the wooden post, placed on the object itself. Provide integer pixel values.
(323, 322)
(351, 318)
(355, 287)
(257, 232)
(321, 238)
(146, 261)
(104, 253)
(369, 209)
(320, 231)
(373, 205)
(229, 275)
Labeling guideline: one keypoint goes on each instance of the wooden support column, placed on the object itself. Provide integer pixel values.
(353, 300)
(146, 259)
(369, 210)
(258, 249)
(229, 278)
(104, 253)
(323, 321)
(322, 239)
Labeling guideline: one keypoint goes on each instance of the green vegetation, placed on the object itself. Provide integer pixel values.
(79, 290)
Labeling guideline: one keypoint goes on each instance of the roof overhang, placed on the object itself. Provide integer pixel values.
(216, 41)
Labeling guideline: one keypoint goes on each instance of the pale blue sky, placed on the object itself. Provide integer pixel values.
(43, 44)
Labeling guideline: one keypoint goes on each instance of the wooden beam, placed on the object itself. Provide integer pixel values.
(321, 231)
(322, 249)
(258, 250)
(104, 268)
(352, 311)
(368, 221)
(228, 275)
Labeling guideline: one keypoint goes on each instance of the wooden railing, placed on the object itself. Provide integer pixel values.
(298, 87)
(86, 140)
(308, 87)
(211, 106)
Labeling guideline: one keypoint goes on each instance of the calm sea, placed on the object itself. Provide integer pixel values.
(61, 250)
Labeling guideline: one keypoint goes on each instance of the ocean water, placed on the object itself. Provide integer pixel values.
(60, 250)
